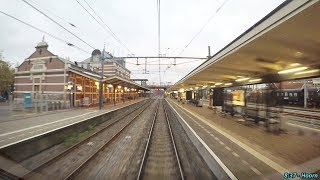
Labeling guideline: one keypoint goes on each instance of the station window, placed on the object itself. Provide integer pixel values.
(295, 94)
(290, 94)
(285, 94)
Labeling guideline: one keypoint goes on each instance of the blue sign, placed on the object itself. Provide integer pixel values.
(27, 100)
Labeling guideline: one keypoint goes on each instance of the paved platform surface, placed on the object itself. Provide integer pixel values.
(16, 130)
(250, 152)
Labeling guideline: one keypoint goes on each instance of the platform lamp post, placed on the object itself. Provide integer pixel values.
(97, 52)
(71, 87)
(101, 56)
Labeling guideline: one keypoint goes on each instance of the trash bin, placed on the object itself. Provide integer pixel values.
(200, 103)
(283, 122)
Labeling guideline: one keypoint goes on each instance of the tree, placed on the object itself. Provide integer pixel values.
(6, 76)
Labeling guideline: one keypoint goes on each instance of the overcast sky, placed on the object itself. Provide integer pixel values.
(135, 24)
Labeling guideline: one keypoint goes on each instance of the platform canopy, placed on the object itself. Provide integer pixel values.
(284, 45)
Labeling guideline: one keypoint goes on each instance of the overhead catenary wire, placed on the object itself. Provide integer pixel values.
(201, 29)
(44, 14)
(45, 32)
(135, 75)
(189, 61)
(54, 14)
(158, 60)
(205, 24)
(103, 24)
(112, 33)
(165, 64)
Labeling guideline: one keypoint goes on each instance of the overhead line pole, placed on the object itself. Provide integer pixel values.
(101, 89)
(159, 41)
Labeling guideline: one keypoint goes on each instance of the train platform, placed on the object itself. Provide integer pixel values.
(248, 150)
(18, 129)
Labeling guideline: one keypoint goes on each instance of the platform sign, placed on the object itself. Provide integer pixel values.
(27, 100)
(238, 98)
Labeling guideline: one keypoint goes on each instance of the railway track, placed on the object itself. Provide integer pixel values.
(302, 109)
(160, 158)
(6, 175)
(68, 163)
(299, 112)
(305, 117)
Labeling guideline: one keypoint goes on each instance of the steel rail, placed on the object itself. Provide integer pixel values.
(173, 143)
(142, 165)
(70, 149)
(148, 142)
(288, 113)
(83, 164)
(7, 175)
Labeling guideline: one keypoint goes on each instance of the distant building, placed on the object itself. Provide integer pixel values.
(113, 66)
(48, 77)
(143, 82)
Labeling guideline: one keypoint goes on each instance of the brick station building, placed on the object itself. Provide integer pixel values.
(50, 78)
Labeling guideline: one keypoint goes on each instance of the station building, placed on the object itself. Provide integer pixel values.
(113, 66)
(45, 77)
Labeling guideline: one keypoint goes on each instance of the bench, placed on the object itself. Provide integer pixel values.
(194, 102)
(274, 125)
